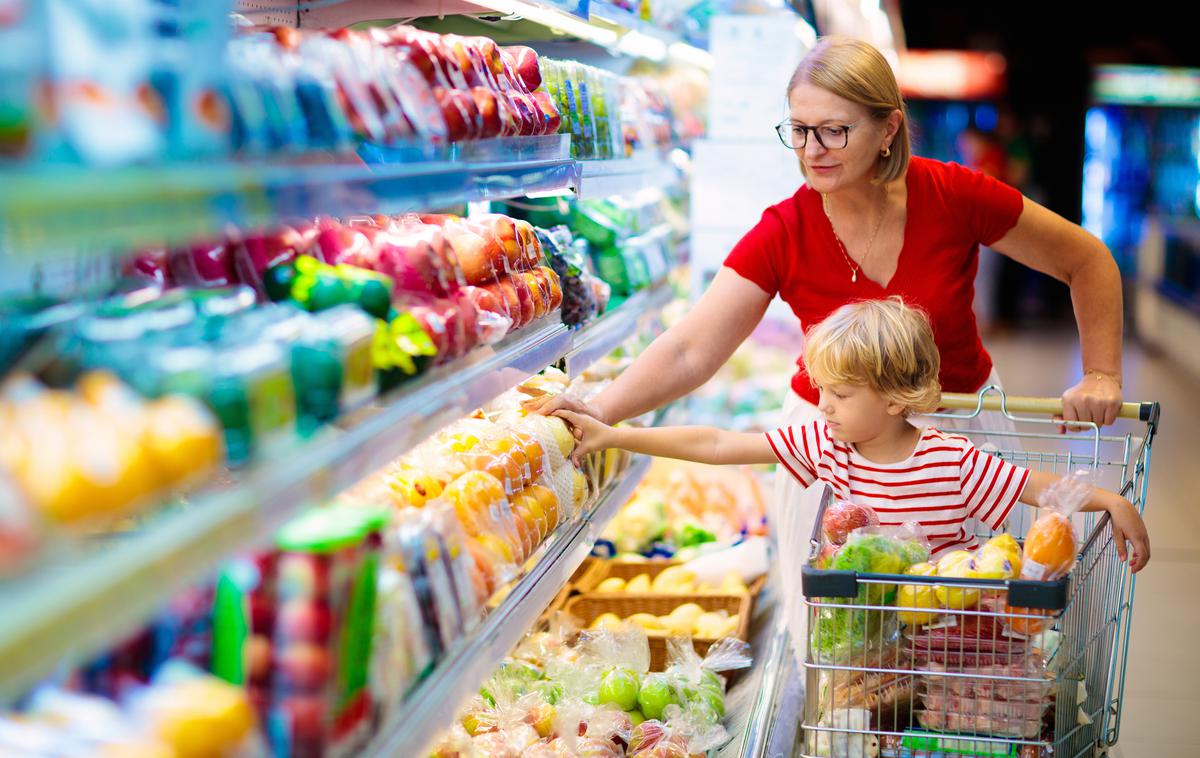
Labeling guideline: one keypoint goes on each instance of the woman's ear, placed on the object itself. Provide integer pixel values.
(892, 126)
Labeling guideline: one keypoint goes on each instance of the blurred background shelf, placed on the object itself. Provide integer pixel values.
(63, 611)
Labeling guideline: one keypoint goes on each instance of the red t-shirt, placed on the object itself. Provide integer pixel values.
(952, 210)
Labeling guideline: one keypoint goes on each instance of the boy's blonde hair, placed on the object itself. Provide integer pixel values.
(856, 71)
(883, 344)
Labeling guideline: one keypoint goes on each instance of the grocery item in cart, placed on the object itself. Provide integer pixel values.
(916, 744)
(843, 517)
(980, 724)
(1051, 544)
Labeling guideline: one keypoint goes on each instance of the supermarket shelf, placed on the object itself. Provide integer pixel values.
(763, 705)
(431, 706)
(610, 331)
(605, 25)
(625, 176)
(70, 208)
(63, 612)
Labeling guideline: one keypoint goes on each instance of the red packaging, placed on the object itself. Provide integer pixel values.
(258, 251)
(204, 264)
(152, 266)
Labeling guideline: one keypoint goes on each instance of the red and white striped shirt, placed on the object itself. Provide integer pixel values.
(946, 481)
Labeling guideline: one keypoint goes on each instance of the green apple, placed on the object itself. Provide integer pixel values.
(655, 695)
(636, 717)
(620, 686)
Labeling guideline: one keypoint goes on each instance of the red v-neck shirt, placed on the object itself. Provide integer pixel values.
(952, 210)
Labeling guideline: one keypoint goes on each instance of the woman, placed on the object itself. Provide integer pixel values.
(870, 222)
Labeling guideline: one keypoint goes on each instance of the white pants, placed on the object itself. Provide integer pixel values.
(792, 510)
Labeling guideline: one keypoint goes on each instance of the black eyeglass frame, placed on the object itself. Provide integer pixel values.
(790, 125)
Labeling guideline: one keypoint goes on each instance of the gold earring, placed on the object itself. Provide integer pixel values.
(885, 152)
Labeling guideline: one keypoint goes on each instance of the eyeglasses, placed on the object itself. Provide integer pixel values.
(829, 136)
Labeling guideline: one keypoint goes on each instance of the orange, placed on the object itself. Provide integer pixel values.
(548, 502)
(1049, 548)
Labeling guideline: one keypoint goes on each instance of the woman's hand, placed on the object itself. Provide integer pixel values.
(1127, 524)
(590, 434)
(1096, 398)
(550, 405)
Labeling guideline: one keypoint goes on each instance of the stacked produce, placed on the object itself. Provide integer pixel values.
(191, 86)
(680, 508)
(183, 714)
(596, 697)
(81, 459)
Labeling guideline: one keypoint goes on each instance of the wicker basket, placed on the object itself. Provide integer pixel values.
(589, 574)
(587, 608)
(627, 570)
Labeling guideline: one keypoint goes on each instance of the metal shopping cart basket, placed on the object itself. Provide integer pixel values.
(935, 667)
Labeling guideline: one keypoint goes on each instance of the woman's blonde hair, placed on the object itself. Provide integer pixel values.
(883, 344)
(858, 72)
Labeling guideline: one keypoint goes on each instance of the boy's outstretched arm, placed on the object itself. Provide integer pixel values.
(701, 444)
(1126, 521)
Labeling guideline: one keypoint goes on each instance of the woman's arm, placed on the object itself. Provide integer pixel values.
(1127, 523)
(1049, 243)
(682, 358)
(701, 444)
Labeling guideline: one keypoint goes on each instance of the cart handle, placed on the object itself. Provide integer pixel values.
(1052, 406)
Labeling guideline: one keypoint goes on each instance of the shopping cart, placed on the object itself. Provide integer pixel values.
(963, 682)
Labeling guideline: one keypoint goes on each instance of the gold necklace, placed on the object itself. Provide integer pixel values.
(854, 268)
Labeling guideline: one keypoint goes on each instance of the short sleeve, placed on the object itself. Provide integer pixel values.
(989, 208)
(758, 256)
(799, 450)
(990, 485)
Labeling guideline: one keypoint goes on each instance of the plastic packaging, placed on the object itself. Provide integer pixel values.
(843, 517)
(1051, 544)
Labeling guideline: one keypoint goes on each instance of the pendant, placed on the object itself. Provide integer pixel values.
(853, 277)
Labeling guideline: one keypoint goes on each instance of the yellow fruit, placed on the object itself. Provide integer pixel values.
(183, 439)
(993, 563)
(958, 564)
(579, 488)
(612, 584)
(647, 621)
(1009, 547)
(673, 580)
(609, 621)
(917, 596)
(639, 585)
(562, 436)
(731, 626)
(684, 617)
(549, 503)
(711, 625)
(733, 584)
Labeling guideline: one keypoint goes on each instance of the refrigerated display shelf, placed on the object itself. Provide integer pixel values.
(600, 179)
(603, 24)
(59, 612)
(763, 707)
(64, 210)
(430, 707)
(600, 339)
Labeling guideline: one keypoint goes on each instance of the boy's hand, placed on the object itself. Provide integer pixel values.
(590, 434)
(1127, 524)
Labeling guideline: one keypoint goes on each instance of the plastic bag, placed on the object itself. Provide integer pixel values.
(843, 517)
(1051, 544)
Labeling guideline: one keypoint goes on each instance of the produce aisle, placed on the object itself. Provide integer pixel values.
(273, 292)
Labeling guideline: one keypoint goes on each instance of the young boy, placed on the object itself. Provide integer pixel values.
(875, 364)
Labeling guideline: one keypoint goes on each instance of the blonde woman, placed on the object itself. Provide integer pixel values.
(873, 221)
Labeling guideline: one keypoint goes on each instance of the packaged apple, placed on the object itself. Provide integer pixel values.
(326, 581)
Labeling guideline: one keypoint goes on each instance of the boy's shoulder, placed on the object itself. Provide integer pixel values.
(943, 437)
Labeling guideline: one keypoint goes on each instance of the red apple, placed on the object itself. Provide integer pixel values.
(204, 264)
(459, 122)
(305, 717)
(541, 295)
(151, 265)
(525, 63)
(305, 666)
(259, 251)
(549, 111)
(507, 294)
(525, 298)
(552, 283)
(491, 122)
(435, 326)
(843, 517)
(258, 659)
(305, 620)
